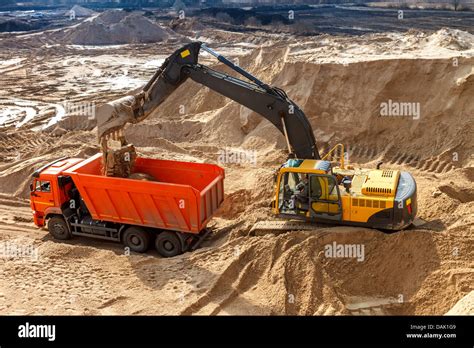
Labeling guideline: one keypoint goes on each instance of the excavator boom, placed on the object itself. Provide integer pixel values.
(270, 102)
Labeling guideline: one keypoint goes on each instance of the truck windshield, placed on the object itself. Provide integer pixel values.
(43, 186)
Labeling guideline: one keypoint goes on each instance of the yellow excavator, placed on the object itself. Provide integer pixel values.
(307, 187)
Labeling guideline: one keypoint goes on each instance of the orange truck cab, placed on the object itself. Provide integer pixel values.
(73, 198)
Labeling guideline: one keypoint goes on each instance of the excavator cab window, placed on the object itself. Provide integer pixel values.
(316, 190)
(324, 188)
(293, 193)
(287, 187)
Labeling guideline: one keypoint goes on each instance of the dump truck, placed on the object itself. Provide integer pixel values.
(74, 198)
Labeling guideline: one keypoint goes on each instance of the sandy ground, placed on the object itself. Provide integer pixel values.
(339, 82)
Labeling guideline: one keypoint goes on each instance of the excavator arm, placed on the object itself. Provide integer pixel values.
(270, 102)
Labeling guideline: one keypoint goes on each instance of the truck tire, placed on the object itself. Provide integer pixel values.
(168, 244)
(137, 239)
(58, 228)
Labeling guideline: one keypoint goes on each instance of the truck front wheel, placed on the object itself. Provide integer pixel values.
(168, 244)
(137, 239)
(59, 228)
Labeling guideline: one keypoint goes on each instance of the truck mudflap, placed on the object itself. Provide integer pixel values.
(197, 240)
(38, 219)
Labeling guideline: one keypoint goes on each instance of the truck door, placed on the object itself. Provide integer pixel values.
(42, 195)
(324, 197)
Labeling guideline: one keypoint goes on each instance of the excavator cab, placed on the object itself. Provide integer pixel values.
(307, 189)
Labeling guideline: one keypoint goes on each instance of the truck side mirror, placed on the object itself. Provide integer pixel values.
(31, 187)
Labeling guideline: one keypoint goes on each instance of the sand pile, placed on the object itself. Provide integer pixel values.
(116, 27)
(291, 273)
(444, 43)
(452, 38)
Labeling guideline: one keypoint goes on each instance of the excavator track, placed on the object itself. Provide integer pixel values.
(281, 225)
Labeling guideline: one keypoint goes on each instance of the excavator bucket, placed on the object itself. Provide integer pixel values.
(114, 115)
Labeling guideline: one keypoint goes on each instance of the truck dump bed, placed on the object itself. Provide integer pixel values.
(183, 198)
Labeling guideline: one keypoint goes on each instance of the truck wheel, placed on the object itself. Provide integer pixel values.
(137, 239)
(59, 228)
(168, 244)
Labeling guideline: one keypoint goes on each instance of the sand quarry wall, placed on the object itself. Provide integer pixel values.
(343, 103)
